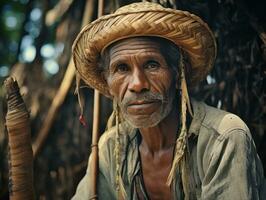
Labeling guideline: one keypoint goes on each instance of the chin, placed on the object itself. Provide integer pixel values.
(146, 121)
(142, 123)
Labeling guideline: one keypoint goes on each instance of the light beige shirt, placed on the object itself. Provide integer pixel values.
(223, 161)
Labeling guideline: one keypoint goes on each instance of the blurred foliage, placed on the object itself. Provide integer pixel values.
(37, 54)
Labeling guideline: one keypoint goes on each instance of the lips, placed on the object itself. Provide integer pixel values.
(141, 102)
(141, 107)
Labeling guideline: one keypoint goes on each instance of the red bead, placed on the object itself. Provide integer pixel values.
(82, 121)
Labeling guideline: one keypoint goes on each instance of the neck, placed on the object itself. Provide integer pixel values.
(162, 136)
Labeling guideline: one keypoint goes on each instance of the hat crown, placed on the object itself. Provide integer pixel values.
(186, 30)
(138, 7)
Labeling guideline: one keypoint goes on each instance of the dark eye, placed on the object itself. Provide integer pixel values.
(122, 68)
(151, 64)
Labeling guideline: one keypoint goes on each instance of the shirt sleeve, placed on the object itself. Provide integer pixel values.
(234, 170)
(84, 189)
(105, 174)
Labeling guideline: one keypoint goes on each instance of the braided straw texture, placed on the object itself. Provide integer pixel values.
(186, 30)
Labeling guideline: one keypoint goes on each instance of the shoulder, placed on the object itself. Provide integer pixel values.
(108, 138)
(222, 122)
(106, 148)
(222, 132)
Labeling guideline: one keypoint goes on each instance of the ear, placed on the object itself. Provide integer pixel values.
(104, 77)
(177, 79)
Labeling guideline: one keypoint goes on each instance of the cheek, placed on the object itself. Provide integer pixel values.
(117, 86)
(161, 82)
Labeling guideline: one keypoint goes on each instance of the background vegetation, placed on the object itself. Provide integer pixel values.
(35, 47)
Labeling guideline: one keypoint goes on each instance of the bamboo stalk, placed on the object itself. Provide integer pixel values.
(20, 151)
(62, 91)
(95, 130)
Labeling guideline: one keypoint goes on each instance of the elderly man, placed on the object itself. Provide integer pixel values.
(162, 145)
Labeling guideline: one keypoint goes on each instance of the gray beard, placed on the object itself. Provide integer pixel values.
(156, 117)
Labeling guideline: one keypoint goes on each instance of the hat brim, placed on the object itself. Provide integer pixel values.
(184, 29)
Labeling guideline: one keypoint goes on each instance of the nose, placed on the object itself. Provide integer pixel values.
(138, 82)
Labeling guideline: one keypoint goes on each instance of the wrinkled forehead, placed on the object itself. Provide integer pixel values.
(138, 43)
(134, 46)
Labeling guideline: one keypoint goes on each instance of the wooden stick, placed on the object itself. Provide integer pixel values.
(94, 145)
(95, 130)
(19, 142)
(62, 91)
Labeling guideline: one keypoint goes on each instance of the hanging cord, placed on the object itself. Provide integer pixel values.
(80, 100)
(181, 142)
(111, 121)
(120, 189)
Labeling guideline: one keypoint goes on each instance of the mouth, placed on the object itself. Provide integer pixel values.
(141, 102)
(141, 107)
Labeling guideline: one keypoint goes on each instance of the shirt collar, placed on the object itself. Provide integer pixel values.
(197, 118)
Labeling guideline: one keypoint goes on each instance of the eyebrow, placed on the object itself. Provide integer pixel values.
(148, 56)
(116, 62)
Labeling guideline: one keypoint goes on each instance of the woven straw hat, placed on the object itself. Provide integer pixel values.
(186, 30)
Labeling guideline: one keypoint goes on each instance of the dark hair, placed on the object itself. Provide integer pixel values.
(168, 49)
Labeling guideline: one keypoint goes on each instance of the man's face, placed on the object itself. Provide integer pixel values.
(140, 81)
